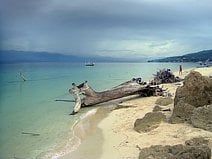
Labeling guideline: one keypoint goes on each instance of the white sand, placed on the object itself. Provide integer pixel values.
(205, 71)
(122, 142)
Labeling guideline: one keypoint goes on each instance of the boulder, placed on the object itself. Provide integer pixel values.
(202, 118)
(197, 141)
(196, 92)
(182, 112)
(149, 122)
(157, 108)
(193, 152)
(188, 151)
(155, 152)
(164, 101)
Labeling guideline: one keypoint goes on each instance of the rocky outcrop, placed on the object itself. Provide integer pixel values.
(202, 117)
(182, 112)
(194, 149)
(164, 101)
(195, 93)
(157, 108)
(197, 141)
(196, 90)
(149, 122)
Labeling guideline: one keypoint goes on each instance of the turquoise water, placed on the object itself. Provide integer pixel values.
(31, 107)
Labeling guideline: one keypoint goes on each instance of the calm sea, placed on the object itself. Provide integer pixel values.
(30, 106)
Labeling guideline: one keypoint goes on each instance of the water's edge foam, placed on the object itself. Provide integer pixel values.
(73, 142)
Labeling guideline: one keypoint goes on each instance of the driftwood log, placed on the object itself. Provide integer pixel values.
(132, 87)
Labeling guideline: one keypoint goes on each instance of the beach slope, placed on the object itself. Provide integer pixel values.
(121, 141)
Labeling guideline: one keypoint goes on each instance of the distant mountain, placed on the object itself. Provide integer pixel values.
(25, 56)
(22, 56)
(192, 57)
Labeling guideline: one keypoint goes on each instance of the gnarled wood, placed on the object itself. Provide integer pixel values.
(125, 89)
(92, 97)
(76, 91)
(165, 76)
(132, 87)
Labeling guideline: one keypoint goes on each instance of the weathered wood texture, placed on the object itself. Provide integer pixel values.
(135, 86)
(165, 76)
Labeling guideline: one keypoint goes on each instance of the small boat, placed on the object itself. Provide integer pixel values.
(207, 63)
(89, 64)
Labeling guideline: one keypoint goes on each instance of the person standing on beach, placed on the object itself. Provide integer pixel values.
(180, 70)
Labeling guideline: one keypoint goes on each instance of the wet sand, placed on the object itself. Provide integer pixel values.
(90, 135)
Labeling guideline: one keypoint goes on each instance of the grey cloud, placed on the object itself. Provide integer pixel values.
(20, 8)
(82, 26)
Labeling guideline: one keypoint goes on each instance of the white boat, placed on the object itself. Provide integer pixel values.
(207, 63)
(89, 64)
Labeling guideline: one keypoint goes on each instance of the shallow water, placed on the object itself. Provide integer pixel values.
(30, 106)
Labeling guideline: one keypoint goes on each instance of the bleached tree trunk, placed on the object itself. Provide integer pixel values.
(92, 97)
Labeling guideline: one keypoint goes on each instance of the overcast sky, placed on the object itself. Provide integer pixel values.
(117, 28)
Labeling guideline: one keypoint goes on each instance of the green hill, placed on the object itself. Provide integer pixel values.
(13, 56)
(192, 57)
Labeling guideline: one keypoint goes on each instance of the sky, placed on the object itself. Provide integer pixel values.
(115, 28)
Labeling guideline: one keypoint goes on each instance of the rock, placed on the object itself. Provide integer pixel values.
(202, 118)
(188, 151)
(164, 101)
(155, 152)
(149, 122)
(175, 152)
(197, 141)
(157, 108)
(196, 92)
(193, 152)
(182, 112)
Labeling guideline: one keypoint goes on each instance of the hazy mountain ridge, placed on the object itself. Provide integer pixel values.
(30, 56)
(22, 56)
(191, 57)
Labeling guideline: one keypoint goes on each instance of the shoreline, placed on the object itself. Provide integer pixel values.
(125, 142)
(109, 133)
(28, 111)
(89, 134)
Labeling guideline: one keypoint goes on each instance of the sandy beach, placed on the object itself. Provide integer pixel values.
(91, 79)
(111, 134)
(121, 141)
